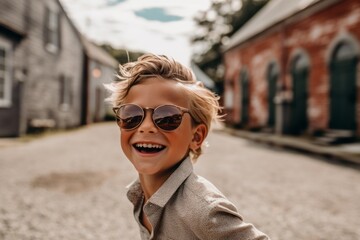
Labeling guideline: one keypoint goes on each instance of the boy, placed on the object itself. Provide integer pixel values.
(164, 116)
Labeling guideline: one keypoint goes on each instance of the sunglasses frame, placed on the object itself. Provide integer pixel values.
(145, 109)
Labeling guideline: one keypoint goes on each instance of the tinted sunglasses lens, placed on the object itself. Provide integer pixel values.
(167, 117)
(130, 116)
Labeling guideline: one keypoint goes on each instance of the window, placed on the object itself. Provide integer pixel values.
(229, 97)
(300, 68)
(65, 93)
(52, 30)
(245, 98)
(5, 69)
(344, 51)
(272, 77)
(343, 89)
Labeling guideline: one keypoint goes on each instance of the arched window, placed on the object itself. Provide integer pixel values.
(344, 51)
(272, 78)
(245, 99)
(343, 87)
(299, 73)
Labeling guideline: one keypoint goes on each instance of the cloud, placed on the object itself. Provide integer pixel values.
(157, 14)
(113, 2)
(158, 26)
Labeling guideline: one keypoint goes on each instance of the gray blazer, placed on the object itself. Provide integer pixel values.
(188, 207)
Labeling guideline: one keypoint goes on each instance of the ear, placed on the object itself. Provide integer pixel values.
(199, 135)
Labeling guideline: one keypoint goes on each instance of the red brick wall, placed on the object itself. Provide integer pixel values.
(255, 56)
(315, 35)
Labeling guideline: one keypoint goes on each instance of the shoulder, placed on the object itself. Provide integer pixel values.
(197, 192)
(208, 213)
(202, 191)
(198, 200)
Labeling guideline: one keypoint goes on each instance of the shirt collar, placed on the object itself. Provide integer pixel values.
(166, 191)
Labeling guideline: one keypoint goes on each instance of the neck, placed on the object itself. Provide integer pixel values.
(151, 183)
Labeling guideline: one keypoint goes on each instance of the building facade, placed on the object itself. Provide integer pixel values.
(99, 69)
(294, 68)
(43, 69)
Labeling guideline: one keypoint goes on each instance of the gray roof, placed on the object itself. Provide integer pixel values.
(98, 54)
(92, 50)
(202, 77)
(272, 13)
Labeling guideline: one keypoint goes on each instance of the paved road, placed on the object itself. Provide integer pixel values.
(71, 186)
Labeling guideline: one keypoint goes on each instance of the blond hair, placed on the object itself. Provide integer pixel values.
(203, 104)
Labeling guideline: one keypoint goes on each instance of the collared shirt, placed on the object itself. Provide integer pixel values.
(188, 207)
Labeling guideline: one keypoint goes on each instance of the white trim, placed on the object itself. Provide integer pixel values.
(7, 46)
(343, 36)
(298, 52)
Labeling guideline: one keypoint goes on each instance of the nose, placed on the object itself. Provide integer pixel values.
(147, 124)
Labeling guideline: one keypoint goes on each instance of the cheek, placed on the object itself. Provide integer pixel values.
(124, 140)
(183, 138)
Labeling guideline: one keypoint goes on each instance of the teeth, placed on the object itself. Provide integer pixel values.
(144, 145)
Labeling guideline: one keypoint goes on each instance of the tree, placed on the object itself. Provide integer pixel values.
(121, 55)
(216, 26)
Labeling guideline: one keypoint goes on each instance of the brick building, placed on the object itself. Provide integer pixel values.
(294, 68)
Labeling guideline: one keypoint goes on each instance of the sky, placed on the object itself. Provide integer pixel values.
(156, 26)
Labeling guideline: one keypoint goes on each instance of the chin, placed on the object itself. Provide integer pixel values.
(146, 170)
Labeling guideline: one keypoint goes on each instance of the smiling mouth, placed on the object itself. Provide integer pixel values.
(148, 147)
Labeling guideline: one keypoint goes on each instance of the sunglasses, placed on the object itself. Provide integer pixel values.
(165, 117)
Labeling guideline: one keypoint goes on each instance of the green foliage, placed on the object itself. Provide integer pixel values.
(216, 25)
(249, 9)
(121, 55)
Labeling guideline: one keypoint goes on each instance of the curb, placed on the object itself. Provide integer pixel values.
(336, 152)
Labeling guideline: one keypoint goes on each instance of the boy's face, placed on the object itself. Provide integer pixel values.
(174, 145)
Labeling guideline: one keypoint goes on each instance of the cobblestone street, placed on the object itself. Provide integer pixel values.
(71, 186)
